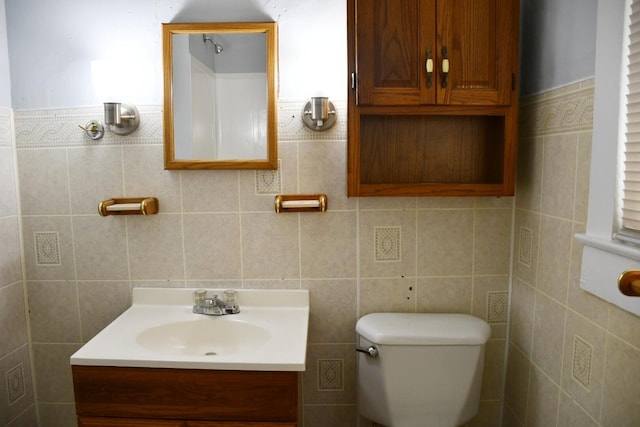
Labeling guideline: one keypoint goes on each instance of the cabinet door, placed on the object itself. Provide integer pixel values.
(127, 422)
(392, 38)
(480, 39)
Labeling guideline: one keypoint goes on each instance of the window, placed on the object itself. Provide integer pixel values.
(604, 257)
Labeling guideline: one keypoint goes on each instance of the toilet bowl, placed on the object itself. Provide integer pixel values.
(420, 369)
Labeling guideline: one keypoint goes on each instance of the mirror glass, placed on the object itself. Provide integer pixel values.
(219, 95)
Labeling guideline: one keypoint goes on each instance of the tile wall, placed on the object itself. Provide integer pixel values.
(17, 406)
(573, 360)
(218, 229)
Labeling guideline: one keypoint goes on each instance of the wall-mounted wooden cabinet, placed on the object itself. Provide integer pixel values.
(433, 99)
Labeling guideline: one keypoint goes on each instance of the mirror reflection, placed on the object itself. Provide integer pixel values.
(220, 96)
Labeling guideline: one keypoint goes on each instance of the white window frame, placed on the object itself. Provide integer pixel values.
(605, 258)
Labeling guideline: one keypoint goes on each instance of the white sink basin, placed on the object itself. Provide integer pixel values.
(204, 337)
(159, 330)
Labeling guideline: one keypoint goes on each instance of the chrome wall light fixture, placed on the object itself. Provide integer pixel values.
(319, 114)
(120, 118)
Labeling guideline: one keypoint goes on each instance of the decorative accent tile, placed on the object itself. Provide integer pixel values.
(571, 110)
(387, 243)
(581, 367)
(497, 306)
(330, 374)
(524, 247)
(47, 248)
(59, 128)
(269, 181)
(15, 384)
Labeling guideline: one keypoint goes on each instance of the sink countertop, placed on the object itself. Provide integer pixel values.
(283, 314)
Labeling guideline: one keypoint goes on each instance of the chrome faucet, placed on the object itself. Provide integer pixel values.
(214, 306)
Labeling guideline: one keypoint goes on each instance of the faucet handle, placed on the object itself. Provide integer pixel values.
(198, 296)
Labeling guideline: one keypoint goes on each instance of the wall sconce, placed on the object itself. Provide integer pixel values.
(319, 114)
(121, 119)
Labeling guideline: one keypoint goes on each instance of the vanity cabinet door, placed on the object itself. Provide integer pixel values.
(238, 424)
(128, 422)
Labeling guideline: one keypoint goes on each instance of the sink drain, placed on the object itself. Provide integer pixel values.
(210, 353)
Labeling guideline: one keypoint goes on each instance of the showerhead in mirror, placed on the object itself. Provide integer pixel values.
(218, 48)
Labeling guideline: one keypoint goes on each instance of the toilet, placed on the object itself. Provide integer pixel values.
(420, 369)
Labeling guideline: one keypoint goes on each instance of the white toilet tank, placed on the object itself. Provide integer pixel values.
(427, 371)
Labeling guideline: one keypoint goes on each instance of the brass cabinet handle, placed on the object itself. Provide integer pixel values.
(429, 66)
(445, 67)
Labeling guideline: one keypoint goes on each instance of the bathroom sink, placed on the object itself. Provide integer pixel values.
(160, 330)
(206, 336)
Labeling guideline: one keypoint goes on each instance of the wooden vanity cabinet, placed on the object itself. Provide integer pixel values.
(143, 397)
(432, 106)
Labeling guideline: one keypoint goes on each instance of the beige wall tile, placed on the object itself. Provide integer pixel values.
(491, 302)
(14, 368)
(554, 257)
(343, 384)
(270, 246)
(54, 383)
(529, 179)
(525, 249)
(144, 176)
(212, 246)
(559, 175)
(621, 385)
(57, 415)
(493, 375)
(492, 241)
(100, 303)
(328, 245)
(324, 166)
(332, 310)
(548, 336)
(444, 295)
(85, 190)
(210, 191)
(44, 187)
(97, 259)
(53, 311)
(583, 365)
(330, 415)
(488, 415)
(387, 295)
(371, 264)
(11, 259)
(13, 332)
(35, 269)
(542, 405)
(523, 299)
(624, 325)
(445, 242)
(155, 247)
(516, 386)
(8, 197)
(581, 198)
(572, 415)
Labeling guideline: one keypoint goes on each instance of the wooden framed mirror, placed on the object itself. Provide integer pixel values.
(220, 95)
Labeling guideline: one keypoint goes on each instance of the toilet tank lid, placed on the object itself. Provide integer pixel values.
(423, 329)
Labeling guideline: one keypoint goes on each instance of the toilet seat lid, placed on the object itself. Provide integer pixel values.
(423, 329)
